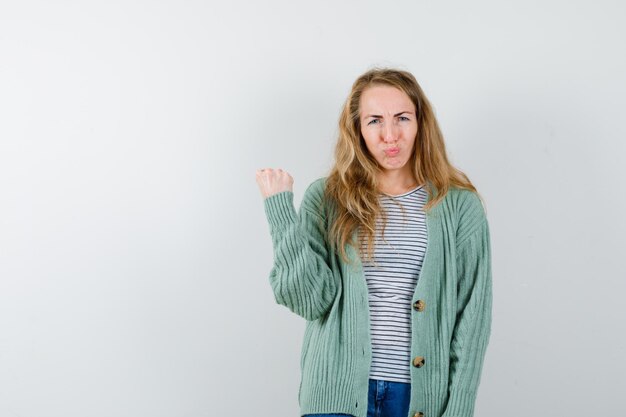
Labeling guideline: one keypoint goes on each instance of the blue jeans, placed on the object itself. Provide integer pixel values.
(384, 399)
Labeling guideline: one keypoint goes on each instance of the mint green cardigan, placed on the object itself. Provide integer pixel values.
(451, 306)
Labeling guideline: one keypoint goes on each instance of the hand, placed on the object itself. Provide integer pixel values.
(273, 181)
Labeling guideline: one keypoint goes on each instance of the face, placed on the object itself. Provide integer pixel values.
(388, 125)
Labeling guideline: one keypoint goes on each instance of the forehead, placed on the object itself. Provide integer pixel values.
(384, 98)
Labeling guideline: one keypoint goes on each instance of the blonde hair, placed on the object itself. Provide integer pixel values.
(352, 184)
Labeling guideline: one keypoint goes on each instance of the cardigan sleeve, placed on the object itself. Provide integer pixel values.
(472, 330)
(300, 277)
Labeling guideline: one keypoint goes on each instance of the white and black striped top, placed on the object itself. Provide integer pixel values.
(391, 283)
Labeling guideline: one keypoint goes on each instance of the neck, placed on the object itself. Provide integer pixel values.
(396, 182)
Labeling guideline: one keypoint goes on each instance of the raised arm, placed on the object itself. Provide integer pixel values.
(300, 277)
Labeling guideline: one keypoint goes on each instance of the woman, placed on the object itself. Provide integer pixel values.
(388, 260)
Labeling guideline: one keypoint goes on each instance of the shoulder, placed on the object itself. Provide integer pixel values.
(467, 203)
(313, 198)
(468, 210)
(315, 190)
(318, 184)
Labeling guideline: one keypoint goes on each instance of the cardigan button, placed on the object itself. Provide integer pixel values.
(419, 361)
(418, 414)
(419, 305)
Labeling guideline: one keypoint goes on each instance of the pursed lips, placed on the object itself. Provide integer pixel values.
(392, 151)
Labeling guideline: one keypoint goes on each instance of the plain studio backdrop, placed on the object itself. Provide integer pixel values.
(135, 251)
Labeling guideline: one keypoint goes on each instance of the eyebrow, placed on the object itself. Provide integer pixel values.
(395, 115)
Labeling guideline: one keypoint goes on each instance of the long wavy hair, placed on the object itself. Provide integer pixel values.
(352, 184)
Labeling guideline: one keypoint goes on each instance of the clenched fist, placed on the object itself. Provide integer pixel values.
(273, 181)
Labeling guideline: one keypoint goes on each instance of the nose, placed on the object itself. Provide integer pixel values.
(389, 132)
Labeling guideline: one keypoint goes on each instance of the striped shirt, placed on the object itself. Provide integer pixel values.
(391, 282)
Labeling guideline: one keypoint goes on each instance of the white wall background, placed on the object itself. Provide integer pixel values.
(134, 251)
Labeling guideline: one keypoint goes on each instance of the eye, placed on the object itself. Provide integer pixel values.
(374, 120)
(403, 118)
